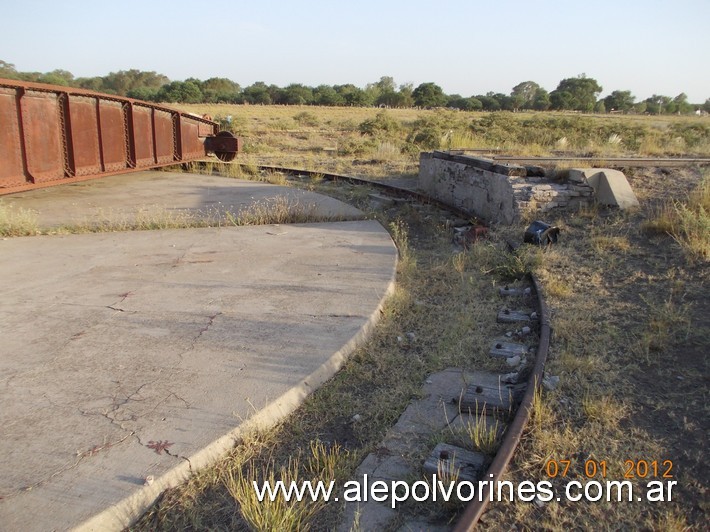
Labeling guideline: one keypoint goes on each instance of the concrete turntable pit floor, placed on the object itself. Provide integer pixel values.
(133, 354)
(142, 195)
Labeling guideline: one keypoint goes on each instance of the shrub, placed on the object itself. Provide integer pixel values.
(382, 125)
(428, 131)
(306, 118)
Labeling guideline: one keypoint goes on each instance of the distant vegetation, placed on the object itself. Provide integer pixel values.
(572, 94)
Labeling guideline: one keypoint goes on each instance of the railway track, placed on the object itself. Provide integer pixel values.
(61, 135)
(513, 433)
(621, 162)
(625, 162)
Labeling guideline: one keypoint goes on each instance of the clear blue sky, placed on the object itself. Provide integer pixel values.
(466, 47)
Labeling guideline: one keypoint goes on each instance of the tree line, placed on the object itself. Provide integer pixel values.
(580, 93)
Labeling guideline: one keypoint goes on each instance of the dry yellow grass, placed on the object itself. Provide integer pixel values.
(329, 138)
(613, 402)
(687, 221)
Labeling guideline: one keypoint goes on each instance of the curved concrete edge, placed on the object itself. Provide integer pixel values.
(129, 510)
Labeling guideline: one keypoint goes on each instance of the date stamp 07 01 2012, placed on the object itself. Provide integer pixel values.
(632, 469)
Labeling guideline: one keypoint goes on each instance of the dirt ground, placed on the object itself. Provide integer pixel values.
(631, 337)
(672, 391)
(630, 319)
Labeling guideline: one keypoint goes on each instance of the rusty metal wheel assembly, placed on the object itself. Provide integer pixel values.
(224, 145)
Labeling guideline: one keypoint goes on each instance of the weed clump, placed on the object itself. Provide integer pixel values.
(382, 125)
(687, 222)
(306, 118)
(17, 221)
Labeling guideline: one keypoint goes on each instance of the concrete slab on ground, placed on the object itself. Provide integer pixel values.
(134, 354)
(153, 195)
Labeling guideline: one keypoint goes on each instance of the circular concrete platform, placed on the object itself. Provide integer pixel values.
(134, 354)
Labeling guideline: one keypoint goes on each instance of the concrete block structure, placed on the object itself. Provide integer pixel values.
(496, 193)
(610, 186)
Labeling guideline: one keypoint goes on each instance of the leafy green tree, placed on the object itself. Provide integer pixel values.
(506, 102)
(29, 76)
(277, 94)
(57, 77)
(257, 94)
(124, 80)
(7, 70)
(297, 94)
(456, 101)
(147, 94)
(385, 85)
(562, 100)
(523, 94)
(706, 106)
(429, 95)
(619, 101)
(91, 84)
(488, 102)
(541, 100)
(221, 85)
(327, 95)
(657, 104)
(681, 104)
(580, 94)
(180, 91)
(476, 104)
(406, 93)
(220, 90)
(388, 99)
(354, 96)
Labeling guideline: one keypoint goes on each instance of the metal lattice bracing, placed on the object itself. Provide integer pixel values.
(50, 135)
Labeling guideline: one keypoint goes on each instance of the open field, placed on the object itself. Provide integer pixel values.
(382, 143)
(629, 313)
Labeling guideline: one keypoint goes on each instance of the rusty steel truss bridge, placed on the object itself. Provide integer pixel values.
(51, 135)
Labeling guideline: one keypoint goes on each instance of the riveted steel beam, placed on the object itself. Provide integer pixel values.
(51, 135)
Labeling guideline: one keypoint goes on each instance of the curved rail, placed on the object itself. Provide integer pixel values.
(626, 162)
(473, 512)
(397, 191)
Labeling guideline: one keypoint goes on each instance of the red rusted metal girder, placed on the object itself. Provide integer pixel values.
(50, 135)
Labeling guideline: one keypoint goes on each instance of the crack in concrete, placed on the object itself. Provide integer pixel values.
(211, 319)
(206, 327)
(122, 297)
(178, 260)
(163, 450)
(164, 399)
(181, 457)
(112, 415)
(117, 309)
(81, 455)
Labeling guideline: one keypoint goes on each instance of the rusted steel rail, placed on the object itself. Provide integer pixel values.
(621, 162)
(473, 512)
(397, 191)
(469, 518)
(51, 135)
